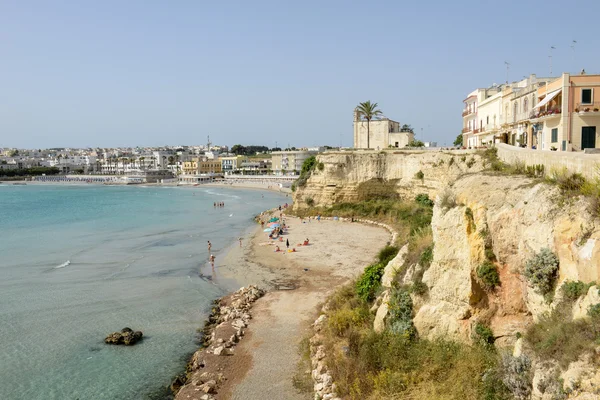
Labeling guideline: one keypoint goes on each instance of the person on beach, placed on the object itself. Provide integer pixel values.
(240, 239)
(319, 218)
(262, 224)
(209, 246)
(287, 243)
(215, 204)
(212, 260)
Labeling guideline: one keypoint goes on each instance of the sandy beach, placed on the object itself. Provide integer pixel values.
(265, 360)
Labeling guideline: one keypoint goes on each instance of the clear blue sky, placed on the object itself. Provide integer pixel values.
(126, 73)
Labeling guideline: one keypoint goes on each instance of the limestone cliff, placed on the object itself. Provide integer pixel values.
(352, 176)
(517, 217)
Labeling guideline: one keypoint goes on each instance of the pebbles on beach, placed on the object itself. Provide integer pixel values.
(223, 331)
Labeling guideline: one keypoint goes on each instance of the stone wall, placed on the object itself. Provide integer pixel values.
(586, 164)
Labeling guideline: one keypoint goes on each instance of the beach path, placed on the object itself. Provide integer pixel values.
(298, 282)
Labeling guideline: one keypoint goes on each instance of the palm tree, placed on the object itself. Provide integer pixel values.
(142, 166)
(368, 111)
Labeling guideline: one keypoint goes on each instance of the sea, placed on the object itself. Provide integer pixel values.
(79, 262)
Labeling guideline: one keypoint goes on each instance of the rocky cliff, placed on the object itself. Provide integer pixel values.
(514, 217)
(352, 176)
(480, 218)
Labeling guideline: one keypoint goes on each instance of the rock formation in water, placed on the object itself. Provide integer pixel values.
(127, 336)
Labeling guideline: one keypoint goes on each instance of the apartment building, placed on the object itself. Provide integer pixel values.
(289, 161)
(567, 116)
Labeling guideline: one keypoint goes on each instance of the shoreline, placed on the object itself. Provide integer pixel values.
(295, 284)
(233, 185)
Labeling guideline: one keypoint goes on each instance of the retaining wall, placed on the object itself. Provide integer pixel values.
(587, 165)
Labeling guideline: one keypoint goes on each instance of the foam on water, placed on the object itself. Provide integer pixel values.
(134, 258)
(65, 264)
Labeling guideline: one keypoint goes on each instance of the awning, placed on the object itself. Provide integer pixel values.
(548, 98)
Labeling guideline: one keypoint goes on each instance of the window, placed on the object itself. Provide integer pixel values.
(525, 104)
(487, 120)
(554, 135)
(586, 96)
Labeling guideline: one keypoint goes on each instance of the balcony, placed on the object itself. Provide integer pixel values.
(545, 114)
(466, 130)
(583, 109)
(467, 112)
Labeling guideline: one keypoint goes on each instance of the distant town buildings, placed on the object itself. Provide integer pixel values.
(559, 114)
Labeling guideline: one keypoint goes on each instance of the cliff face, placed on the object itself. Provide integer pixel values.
(508, 217)
(348, 177)
(516, 217)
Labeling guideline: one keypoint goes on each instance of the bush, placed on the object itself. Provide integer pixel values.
(471, 162)
(541, 271)
(556, 337)
(447, 199)
(483, 335)
(400, 314)
(418, 288)
(419, 175)
(424, 200)
(594, 311)
(309, 201)
(488, 275)
(369, 282)
(451, 161)
(572, 290)
(386, 254)
(516, 375)
(426, 257)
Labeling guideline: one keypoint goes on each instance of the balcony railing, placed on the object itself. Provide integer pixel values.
(477, 130)
(465, 130)
(545, 113)
(589, 107)
(467, 112)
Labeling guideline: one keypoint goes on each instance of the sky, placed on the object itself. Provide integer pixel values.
(151, 73)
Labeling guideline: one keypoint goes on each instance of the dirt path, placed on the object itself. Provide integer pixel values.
(338, 251)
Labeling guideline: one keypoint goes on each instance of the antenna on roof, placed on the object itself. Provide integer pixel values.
(550, 56)
(573, 43)
(507, 68)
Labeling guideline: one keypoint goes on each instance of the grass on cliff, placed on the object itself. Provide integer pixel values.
(405, 216)
(571, 185)
(369, 365)
(559, 338)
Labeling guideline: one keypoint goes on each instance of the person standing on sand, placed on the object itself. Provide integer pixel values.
(287, 243)
(240, 239)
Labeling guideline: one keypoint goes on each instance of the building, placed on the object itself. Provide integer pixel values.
(231, 164)
(500, 113)
(567, 116)
(289, 161)
(383, 133)
(210, 166)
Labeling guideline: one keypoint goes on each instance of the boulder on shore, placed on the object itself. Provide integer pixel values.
(127, 336)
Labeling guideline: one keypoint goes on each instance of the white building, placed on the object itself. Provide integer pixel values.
(289, 161)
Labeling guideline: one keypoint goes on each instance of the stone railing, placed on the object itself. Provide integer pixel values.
(587, 165)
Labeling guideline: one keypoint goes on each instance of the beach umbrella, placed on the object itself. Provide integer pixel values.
(274, 226)
(274, 219)
(268, 230)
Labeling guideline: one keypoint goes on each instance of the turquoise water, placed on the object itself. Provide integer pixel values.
(78, 262)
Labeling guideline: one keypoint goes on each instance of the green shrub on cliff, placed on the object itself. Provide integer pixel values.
(541, 271)
(399, 320)
(387, 254)
(488, 275)
(370, 281)
(572, 290)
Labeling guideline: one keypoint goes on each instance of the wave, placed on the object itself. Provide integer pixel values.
(65, 264)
